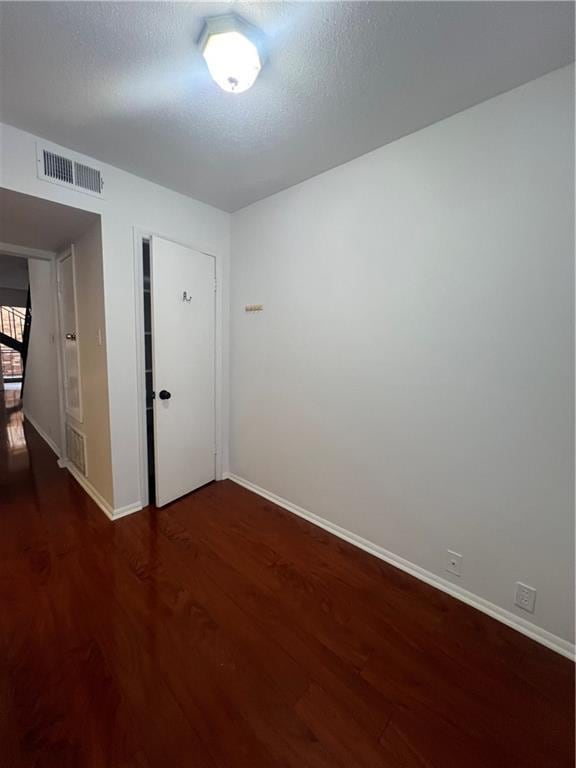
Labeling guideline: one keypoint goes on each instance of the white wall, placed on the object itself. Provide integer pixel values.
(92, 347)
(411, 376)
(129, 202)
(41, 398)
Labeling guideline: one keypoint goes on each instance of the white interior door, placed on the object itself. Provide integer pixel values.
(183, 296)
(69, 334)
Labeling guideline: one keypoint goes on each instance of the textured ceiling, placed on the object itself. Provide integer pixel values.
(35, 223)
(125, 83)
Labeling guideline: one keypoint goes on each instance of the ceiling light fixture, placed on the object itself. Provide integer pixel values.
(233, 52)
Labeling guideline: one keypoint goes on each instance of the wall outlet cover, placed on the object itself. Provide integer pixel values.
(525, 597)
(453, 562)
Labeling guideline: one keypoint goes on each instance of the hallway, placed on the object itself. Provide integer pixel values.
(224, 631)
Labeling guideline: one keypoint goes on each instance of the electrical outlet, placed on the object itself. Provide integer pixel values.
(525, 597)
(454, 563)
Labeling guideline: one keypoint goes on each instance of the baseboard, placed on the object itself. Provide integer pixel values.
(527, 628)
(90, 490)
(129, 509)
(47, 439)
(109, 511)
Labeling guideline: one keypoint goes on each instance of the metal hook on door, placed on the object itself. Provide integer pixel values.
(185, 297)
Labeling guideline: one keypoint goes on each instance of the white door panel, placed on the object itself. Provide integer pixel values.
(69, 331)
(183, 352)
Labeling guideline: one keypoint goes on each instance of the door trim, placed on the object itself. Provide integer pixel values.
(139, 235)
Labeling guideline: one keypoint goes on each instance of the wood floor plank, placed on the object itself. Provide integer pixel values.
(272, 617)
(130, 651)
(182, 582)
(224, 632)
(298, 594)
(259, 691)
(427, 684)
(339, 729)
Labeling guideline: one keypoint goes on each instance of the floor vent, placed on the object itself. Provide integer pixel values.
(76, 448)
(65, 170)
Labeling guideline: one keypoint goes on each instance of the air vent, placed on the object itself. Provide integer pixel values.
(66, 170)
(88, 178)
(76, 448)
(57, 167)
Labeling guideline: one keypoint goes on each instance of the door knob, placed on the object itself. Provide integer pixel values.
(164, 394)
(71, 336)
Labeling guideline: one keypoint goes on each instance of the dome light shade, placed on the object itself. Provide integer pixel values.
(232, 50)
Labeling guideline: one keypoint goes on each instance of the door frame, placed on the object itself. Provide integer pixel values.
(141, 234)
(52, 258)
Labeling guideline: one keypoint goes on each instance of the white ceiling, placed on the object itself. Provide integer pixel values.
(125, 83)
(36, 223)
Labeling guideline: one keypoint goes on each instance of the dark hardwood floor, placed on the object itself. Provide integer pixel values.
(223, 632)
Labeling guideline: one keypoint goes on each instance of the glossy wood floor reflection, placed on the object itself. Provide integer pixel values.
(223, 632)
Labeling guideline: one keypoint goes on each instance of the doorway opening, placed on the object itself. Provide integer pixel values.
(147, 303)
(12, 322)
(14, 319)
(53, 334)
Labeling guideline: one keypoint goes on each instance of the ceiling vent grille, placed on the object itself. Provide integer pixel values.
(65, 170)
(57, 167)
(88, 178)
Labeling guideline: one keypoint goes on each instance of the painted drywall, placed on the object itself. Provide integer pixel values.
(130, 203)
(411, 376)
(41, 397)
(91, 321)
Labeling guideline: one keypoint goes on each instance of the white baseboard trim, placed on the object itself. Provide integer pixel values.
(90, 490)
(47, 439)
(527, 628)
(109, 511)
(129, 509)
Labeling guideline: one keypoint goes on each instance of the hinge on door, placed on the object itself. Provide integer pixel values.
(214, 284)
